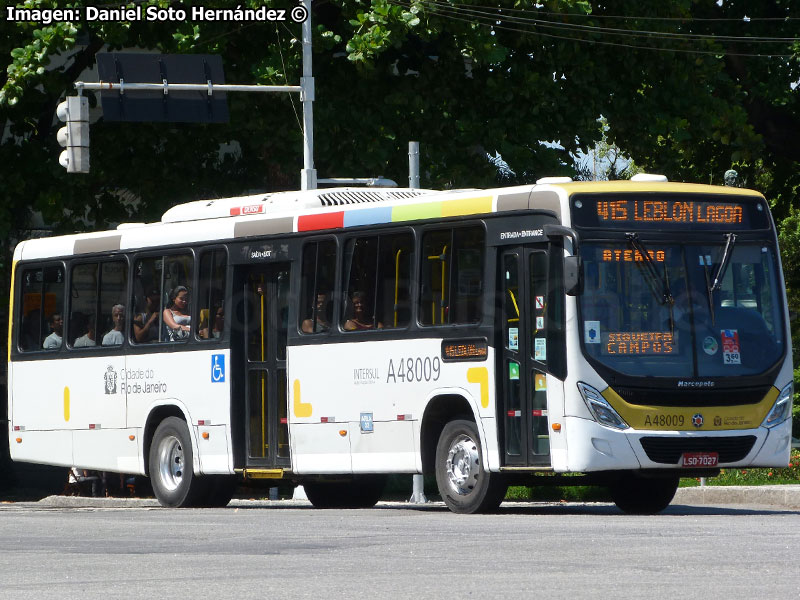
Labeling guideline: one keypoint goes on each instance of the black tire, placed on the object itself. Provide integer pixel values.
(171, 458)
(362, 491)
(464, 484)
(636, 495)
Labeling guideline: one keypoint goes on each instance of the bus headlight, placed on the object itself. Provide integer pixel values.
(782, 407)
(601, 410)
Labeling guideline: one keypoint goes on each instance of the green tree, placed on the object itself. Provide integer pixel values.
(679, 85)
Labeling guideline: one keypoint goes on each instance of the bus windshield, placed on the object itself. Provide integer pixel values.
(652, 309)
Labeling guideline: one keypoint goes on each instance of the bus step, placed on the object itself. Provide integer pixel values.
(255, 473)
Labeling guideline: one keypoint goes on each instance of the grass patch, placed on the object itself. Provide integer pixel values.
(543, 493)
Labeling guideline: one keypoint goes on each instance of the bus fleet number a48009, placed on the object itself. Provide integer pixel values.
(414, 369)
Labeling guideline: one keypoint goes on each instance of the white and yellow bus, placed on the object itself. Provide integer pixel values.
(631, 332)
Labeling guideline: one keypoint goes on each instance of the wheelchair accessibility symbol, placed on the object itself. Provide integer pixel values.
(217, 368)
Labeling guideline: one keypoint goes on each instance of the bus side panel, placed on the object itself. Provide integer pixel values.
(377, 391)
(372, 450)
(214, 449)
(107, 450)
(44, 447)
(195, 382)
(68, 393)
(319, 448)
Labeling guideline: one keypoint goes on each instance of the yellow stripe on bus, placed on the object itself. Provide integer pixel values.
(301, 409)
(66, 403)
(11, 307)
(480, 375)
(623, 186)
(684, 418)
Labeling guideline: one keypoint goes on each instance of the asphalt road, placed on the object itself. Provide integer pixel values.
(287, 549)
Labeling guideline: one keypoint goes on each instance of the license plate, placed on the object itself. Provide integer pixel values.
(700, 459)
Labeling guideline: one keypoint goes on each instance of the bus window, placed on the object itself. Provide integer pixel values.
(113, 286)
(83, 306)
(376, 272)
(211, 293)
(41, 317)
(97, 304)
(318, 279)
(156, 281)
(452, 275)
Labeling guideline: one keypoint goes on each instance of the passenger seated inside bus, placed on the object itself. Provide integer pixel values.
(86, 325)
(216, 330)
(54, 340)
(176, 315)
(145, 325)
(318, 321)
(115, 337)
(360, 320)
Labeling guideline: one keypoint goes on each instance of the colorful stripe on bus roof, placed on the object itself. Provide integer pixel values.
(394, 214)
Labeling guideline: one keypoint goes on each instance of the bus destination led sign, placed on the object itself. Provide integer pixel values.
(639, 342)
(471, 349)
(619, 255)
(669, 211)
(664, 212)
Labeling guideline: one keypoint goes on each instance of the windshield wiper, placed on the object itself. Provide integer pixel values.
(655, 279)
(723, 266)
(652, 271)
(720, 274)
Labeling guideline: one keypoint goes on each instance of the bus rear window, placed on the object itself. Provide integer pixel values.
(41, 317)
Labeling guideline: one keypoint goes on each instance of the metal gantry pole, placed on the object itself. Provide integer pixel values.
(417, 481)
(308, 176)
(413, 165)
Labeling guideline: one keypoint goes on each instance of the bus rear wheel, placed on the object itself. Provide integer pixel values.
(636, 495)
(464, 484)
(362, 491)
(174, 483)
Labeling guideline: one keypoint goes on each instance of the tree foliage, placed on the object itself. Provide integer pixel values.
(681, 91)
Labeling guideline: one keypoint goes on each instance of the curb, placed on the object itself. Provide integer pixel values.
(786, 496)
(783, 496)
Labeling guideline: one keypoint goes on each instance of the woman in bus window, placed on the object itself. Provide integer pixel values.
(145, 325)
(176, 315)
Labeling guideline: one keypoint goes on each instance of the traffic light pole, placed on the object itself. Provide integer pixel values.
(308, 175)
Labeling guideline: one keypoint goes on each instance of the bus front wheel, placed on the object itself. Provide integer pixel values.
(463, 481)
(637, 495)
(171, 474)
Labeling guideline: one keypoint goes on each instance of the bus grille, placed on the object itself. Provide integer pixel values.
(668, 451)
(690, 397)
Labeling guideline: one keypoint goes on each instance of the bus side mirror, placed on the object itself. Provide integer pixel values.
(572, 264)
(573, 282)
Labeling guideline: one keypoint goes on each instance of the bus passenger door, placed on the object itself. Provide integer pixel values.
(266, 299)
(521, 370)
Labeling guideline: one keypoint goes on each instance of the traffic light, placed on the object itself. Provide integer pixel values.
(75, 135)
